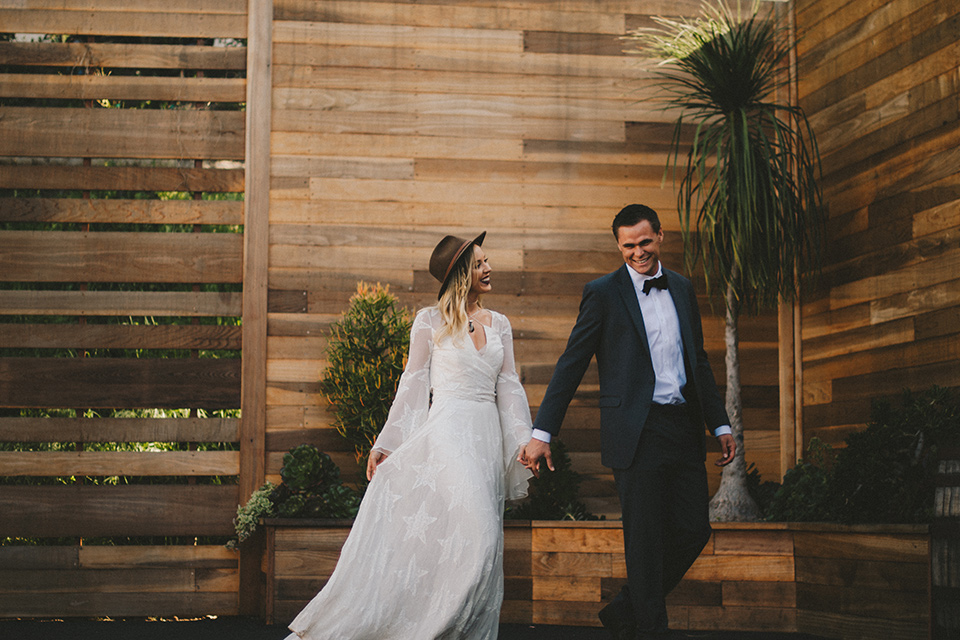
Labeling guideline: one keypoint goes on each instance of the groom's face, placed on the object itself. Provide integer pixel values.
(640, 247)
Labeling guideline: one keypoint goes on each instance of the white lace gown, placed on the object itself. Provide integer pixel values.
(424, 558)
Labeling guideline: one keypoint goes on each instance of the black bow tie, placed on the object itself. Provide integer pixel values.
(660, 282)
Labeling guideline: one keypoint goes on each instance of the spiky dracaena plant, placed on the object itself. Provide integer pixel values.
(750, 206)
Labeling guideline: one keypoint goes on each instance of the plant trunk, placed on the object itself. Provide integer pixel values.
(732, 502)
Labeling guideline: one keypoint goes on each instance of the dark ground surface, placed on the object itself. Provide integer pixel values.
(253, 629)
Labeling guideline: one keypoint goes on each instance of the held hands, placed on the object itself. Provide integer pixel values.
(376, 457)
(531, 454)
(728, 449)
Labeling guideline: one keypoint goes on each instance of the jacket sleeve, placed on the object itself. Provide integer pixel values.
(581, 347)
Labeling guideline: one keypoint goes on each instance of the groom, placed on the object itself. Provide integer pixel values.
(657, 391)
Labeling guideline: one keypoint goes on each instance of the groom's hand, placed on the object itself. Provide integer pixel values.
(728, 449)
(532, 453)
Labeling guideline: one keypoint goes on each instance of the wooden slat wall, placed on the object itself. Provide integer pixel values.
(395, 123)
(879, 81)
(57, 145)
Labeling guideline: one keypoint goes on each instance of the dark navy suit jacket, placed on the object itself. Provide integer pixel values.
(610, 326)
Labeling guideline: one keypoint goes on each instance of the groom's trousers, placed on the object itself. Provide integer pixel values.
(664, 500)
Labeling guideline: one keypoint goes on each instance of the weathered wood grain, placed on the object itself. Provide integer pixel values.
(120, 303)
(133, 510)
(162, 23)
(135, 56)
(64, 256)
(119, 463)
(125, 179)
(121, 133)
(117, 382)
(100, 87)
(118, 430)
(120, 336)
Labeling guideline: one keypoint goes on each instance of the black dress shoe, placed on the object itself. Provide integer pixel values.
(619, 628)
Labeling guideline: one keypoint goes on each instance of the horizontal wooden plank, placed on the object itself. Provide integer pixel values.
(121, 336)
(569, 563)
(126, 178)
(64, 256)
(584, 44)
(371, 55)
(283, 143)
(463, 16)
(31, 558)
(132, 510)
(567, 588)
(742, 567)
(474, 193)
(45, 581)
(469, 105)
(875, 546)
(860, 601)
(454, 83)
(103, 87)
(120, 557)
(120, 303)
(119, 429)
(891, 575)
(450, 125)
(759, 594)
(213, 7)
(163, 24)
(577, 540)
(397, 36)
(119, 463)
(121, 133)
(132, 604)
(115, 382)
(134, 56)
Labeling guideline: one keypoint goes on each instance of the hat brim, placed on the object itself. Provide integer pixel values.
(478, 241)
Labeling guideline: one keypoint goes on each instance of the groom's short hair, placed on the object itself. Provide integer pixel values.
(633, 214)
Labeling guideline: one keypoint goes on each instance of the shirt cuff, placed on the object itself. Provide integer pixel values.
(722, 431)
(544, 436)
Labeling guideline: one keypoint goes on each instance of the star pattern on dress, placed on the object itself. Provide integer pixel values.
(417, 524)
(452, 546)
(458, 495)
(427, 474)
(411, 575)
(385, 501)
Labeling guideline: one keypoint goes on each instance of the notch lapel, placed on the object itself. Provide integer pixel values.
(684, 313)
(629, 296)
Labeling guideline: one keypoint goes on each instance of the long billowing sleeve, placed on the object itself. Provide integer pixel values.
(514, 412)
(412, 402)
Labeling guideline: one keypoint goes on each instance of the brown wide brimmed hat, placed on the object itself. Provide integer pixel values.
(446, 254)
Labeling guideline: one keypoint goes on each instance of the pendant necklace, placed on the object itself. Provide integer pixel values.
(470, 320)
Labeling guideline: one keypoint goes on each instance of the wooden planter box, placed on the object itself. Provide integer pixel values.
(834, 581)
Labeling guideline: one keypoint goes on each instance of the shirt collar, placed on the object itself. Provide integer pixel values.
(640, 278)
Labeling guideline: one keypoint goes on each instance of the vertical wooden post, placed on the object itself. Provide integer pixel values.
(253, 394)
(788, 319)
(787, 377)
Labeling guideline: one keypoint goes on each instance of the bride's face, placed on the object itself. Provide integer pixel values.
(481, 272)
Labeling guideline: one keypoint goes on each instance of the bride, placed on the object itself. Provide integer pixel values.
(424, 559)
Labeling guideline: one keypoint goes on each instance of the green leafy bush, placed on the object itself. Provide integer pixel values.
(555, 494)
(311, 488)
(367, 352)
(886, 472)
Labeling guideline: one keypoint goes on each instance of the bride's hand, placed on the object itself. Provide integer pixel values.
(376, 457)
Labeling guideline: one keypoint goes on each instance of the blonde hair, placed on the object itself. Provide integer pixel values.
(453, 302)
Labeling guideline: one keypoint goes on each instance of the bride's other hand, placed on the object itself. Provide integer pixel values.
(376, 457)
